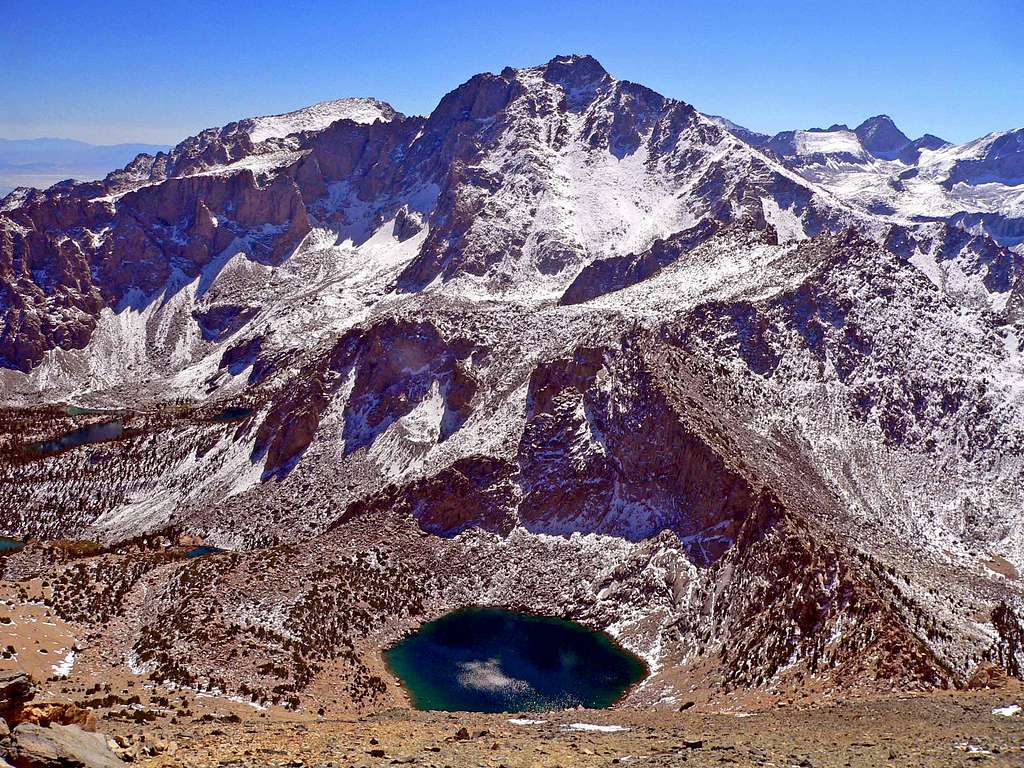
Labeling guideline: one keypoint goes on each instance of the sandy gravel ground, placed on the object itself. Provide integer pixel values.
(956, 729)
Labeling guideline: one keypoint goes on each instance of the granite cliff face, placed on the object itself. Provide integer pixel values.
(563, 344)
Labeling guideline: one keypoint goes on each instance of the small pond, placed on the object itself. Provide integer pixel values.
(493, 660)
(78, 410)
(202, 550)
(7, 544)
(232, 413)
(93, 433)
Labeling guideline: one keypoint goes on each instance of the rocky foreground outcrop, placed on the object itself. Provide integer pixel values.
(36, 735)
(16, 688)
(58, 746)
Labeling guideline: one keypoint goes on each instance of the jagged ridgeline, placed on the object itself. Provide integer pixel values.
(752, 405)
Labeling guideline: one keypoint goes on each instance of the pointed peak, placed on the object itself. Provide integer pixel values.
(931, 141)
(878, 120)
(881, 137)
(911, 153)
(574, 70)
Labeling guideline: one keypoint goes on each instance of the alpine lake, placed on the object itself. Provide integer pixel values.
(495, 660)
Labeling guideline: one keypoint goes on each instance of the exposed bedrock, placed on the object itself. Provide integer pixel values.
(603, 450)
(392, 367)
(66, 258)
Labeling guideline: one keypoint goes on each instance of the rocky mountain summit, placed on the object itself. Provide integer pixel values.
(754, 406)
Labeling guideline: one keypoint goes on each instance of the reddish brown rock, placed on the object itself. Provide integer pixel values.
(987, 675)
(44, 713)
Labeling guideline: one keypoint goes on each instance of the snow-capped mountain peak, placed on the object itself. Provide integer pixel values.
(880, 136)
(877, 169)
(575, 71)
(317, 117)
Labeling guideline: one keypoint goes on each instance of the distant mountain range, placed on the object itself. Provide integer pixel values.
(879, 170)
(42, 162)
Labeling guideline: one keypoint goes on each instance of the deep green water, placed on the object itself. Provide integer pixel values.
(77, 410)
(493, 660)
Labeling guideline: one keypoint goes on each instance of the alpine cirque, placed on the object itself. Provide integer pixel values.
(752, 405)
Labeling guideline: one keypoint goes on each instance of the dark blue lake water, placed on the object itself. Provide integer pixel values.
(493, 660)
(94, 433)
(203, 550)
(8, 544)
(233, 413)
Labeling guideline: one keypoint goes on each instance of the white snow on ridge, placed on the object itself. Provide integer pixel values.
(827, 143)
(14, 199)
(319, 116)
(259, 163)
(943, 158)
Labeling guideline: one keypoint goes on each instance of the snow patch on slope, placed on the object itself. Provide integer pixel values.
(828, 143)
(787, 224)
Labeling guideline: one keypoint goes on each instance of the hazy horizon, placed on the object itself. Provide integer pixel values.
(124, 73)
(44, 161)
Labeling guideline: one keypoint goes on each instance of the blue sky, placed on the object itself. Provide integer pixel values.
(156, 72)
